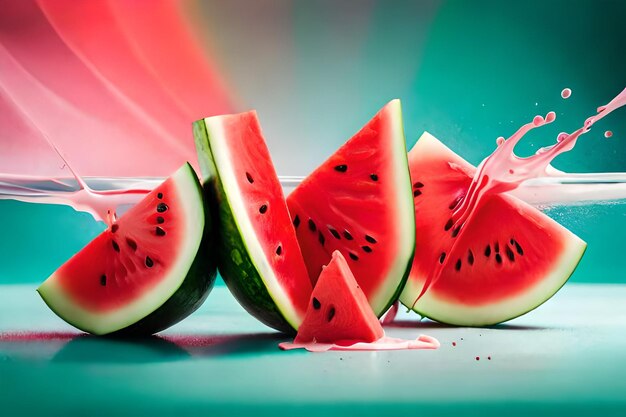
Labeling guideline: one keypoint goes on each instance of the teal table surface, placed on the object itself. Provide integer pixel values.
(567, 357)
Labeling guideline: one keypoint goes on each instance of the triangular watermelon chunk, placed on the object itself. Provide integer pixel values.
(338, 311)
(359, 202)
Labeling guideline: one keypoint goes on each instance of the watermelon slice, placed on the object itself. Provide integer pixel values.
(509, 259)
(259, 255)
(359, 202)
(338, 310)
(152, 268)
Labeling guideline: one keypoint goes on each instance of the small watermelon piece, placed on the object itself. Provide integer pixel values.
(338, 310)
(359, 202)
(259, 255)
(153, 267)
(510, 258)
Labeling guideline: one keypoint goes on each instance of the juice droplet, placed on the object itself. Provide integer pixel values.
(608, 134)
(566, 93)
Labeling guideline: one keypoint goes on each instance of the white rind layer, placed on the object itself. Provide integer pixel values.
(189, 201)
(445, 311)
(223, 162)
(403, 201)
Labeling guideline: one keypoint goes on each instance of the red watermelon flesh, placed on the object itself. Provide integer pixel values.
(359, 202)
(338, 310)
(509, 258)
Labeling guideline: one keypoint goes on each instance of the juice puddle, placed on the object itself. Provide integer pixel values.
(384, 343)
(503, 171)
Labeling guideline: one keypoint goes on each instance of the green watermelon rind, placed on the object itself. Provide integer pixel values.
(449, 312)
(506, 317)
(236, 264)
(194, 278)
(401, 163)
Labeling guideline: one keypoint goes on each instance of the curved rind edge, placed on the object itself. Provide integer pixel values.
(402, 164)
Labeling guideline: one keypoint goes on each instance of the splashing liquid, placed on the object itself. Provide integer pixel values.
(503, 171)
(101, 204)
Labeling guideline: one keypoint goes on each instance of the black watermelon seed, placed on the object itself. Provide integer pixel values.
(417, 193)
(496, 247)
(279, 250)
(116, 247)
(488, 250)
(249, 177)
(457, 266)
(370, 239)
(103, 280)
(162, 207)
(321, 238)
(512, 241)
(296, 221)
(160, 220)
(347, 235)
(263, 209)
(470, 257)
(149, 262)
(519, 249)
(456, 231)
(333, 232)
(366, 249)
(159, 231)
(131, 243)
(418, 185)
(341, 168)
(312, 226)
(353, 256)
(455, 203)
(442, 257)
(114, 228)
(331, 314)
(316, 303)
(374, 177)
(160, 196)
(509, 253)
(448, 225)
(498, 258)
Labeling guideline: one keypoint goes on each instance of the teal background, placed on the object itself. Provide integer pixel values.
(467, 72)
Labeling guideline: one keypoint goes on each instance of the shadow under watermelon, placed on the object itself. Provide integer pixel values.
(230, 345)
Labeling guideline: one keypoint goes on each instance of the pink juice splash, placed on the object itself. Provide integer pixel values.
(608, 134)
(503, 171)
